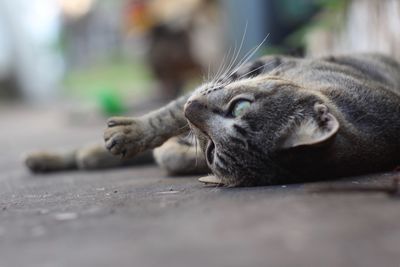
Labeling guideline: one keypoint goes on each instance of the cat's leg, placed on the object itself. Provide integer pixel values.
(88, 157)
(130, 136)
(43, 161)
(98, 157)
(149, 131)
(178, 157)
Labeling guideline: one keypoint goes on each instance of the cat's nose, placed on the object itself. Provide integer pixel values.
(192, 107)
(194, 110)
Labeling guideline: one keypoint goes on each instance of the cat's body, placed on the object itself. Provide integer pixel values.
(277, 119)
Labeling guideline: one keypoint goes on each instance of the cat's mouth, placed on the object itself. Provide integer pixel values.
(210, 150)
(210, 146)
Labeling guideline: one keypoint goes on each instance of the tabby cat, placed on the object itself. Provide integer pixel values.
(275, 120)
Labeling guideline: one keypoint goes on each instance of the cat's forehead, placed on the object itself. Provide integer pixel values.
(265, 81)
(213, 87)
(223, 91)
(207, 88)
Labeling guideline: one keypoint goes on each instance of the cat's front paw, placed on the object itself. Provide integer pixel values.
(125, 136)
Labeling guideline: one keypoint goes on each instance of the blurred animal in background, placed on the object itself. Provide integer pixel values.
(183, 39)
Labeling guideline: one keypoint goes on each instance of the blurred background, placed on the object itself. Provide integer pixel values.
(118, 56)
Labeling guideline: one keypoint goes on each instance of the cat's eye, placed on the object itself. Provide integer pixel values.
(240, 107)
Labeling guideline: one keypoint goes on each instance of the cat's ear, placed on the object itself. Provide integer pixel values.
(313, 131)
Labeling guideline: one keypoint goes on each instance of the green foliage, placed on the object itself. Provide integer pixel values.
(111, 102)
(119, 76)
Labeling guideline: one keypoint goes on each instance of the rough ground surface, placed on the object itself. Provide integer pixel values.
(138, 217)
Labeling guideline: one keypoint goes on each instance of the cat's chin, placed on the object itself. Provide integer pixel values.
(212, 180)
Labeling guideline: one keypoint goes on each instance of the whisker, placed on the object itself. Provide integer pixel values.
(221, 69)
(236, 55)
(189, 134)
(186, 125)
(208, 71)
(248, 55)
(221, 66)
(195, 144)
(215, 187)
(229, 66)
(249, 72)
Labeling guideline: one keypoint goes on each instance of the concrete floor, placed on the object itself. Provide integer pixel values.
(138, 217)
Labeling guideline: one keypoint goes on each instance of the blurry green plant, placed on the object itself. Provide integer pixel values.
(121, 77)
(109, 83)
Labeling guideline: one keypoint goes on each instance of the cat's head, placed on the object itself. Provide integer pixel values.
(243, 127)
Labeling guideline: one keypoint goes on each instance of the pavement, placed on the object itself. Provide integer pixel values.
(139, 217)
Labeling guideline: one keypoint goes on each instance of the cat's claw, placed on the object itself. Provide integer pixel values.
(124, 136)
(118, 121)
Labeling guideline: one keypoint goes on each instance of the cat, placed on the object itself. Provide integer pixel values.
(275, 120)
